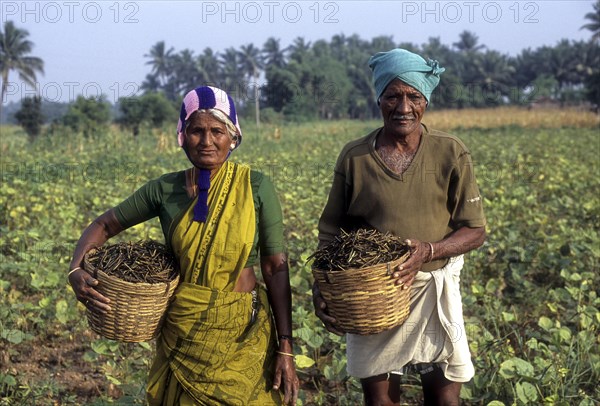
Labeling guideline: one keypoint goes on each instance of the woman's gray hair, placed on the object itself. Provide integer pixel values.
(219, 115)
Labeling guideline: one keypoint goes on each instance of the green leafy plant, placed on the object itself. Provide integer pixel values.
(529, 294)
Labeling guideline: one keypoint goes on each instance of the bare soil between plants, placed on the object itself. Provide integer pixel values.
(57, 363)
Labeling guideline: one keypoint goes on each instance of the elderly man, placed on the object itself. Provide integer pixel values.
(419, 184)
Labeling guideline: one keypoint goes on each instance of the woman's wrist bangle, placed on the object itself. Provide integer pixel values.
(77, 268)
(430, 252)
(285, 353)
(285, 337)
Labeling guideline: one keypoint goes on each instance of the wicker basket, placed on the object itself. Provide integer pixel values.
(365, 301)
(137, 309)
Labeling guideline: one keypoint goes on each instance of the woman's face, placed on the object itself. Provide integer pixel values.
(402, 107)
(206, 141)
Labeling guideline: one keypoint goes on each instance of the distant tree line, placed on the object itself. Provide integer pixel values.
(331, 79)
(320, 80)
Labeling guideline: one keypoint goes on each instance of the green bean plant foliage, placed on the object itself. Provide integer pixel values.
(530, 293)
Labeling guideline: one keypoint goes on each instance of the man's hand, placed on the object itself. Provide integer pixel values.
(321, 311)
(406, 271)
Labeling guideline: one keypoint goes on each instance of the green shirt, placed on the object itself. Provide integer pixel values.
(436, 195)
(167, 198)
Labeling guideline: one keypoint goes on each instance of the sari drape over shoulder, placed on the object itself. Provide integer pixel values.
(213, 350)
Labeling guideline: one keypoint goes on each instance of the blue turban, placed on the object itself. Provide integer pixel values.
(410, 68)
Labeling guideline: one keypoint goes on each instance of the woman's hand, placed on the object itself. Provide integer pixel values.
(321, 311)
(83, 283)
(285, 373)
(96, 234)
(406, 272)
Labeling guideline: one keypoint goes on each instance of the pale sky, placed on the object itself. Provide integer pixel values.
(92, 47)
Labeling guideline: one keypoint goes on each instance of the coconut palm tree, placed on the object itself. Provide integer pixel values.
(229, 68)
(208, 65)
(381, 43)
(185, 72)
(251, 63)
(14, 50)
(160, 59)
(468, 42)
(493, 72)
(272, 53)
(594, 24)
(299, 49)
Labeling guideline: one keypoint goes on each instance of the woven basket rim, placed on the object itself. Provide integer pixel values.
(392, 263)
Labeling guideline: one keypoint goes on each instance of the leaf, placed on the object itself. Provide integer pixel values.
(565, 334)
(492, 286)
(36, 281)
(573, 291)
(302, 361)
(100, 347)
(44, 302)
(552, 307)
(62, 309)
(526, 392)
(145, 345)
(7, 380)
(113, 379)
(508, 317)
(507, 369)
(309, 336)
(90, 356)
(466, 392)
(585, 321)
(477, 289)
(532, 343)
(516, 367)
(328, 372)
(545, 323)
(13, 336)
(495, 403)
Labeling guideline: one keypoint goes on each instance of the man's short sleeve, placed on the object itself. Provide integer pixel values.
(467, 202)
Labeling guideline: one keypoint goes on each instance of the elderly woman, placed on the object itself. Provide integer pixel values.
(418, 184)
(220, 219)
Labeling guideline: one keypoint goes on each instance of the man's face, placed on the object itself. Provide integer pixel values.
(402, 108)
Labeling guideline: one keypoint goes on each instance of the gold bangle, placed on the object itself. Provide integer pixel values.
(77, 268)
(430, 252)
(285, 353)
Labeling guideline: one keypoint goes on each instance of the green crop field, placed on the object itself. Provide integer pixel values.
(530, 293)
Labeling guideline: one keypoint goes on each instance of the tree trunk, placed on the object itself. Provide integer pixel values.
(4, 87)
(256, 101)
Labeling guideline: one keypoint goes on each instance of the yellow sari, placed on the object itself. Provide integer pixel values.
(212, 350)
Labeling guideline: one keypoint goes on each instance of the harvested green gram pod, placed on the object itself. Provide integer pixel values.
(143, 261)
(359, 249)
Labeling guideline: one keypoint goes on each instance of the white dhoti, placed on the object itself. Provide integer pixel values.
(434, 332)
